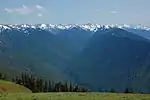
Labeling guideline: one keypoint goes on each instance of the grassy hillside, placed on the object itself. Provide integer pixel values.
(75, 96)
(8, 87)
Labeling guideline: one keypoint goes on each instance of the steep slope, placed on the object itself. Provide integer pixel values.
(76, 36)
(110, 60)
(39, 50)
(142, 32)
(27, 52)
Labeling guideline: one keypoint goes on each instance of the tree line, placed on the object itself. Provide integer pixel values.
(113, 90)
(37, 85)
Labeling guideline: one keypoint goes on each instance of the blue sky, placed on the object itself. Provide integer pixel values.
(75, 11)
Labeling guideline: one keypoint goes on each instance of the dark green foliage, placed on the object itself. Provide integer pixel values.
(76, 88)
(70, 87)
(46, 87)
(112, 90)
(39, 85)
(3, 76)
(128, 90)
(66, 87)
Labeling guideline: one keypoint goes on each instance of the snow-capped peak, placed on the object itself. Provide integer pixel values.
(4, 27)
(87, 27)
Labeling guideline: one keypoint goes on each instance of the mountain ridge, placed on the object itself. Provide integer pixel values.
(109, 58)
(47, 50)
(88, 27)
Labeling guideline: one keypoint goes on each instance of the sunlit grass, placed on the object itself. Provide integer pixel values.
(74, 96)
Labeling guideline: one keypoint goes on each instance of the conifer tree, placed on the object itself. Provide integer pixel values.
(23, 78)
(70, 88)
(1, 75)
(41, 85)
(45, 86)
(38, 84)
(75, 88)
(126, 90)
(50, 86)
(66, 87)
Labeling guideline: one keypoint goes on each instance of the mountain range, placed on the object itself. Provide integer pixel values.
(99, 57)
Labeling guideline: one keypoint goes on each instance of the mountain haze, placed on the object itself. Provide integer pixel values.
(111, 56)
(97, 56)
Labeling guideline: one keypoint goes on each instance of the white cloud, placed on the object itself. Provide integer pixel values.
(39, 15)
(24, 9)
(39, 7)
(8, 10)
(113, 12)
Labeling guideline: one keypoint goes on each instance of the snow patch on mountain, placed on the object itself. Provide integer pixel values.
(87, 27)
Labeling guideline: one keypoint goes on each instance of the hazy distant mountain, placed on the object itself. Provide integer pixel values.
(112, 59)
(142, 32)
(98, 56)
(39, 49)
